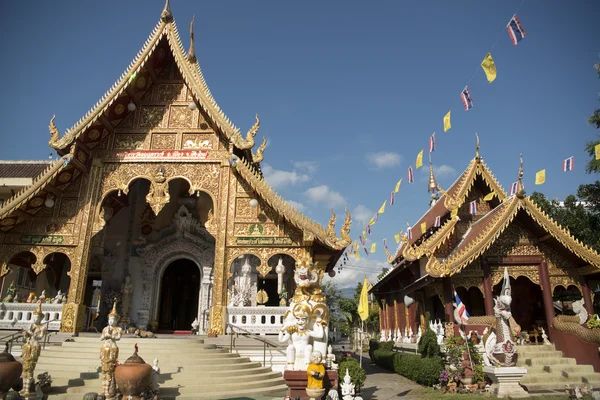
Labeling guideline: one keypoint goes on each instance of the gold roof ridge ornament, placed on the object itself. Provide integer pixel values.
(248, 142)
(345, 230)
(477, 148)
(331, 226)
(520, 187)
(54, 133)
(433, 185)
(166, 16)
(191, 54)
(258, 157)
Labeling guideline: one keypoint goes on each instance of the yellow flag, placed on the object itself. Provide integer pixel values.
(540, 177)
(398, 186)
(447, 125)
(356, 255)
(382, 208)
(419, 162)
(489, 67)
(597, 150)
(364, 234)
(489, 196)
(423, 227)
(397, 237)
(372, 222)
(373, 247)
(454, 213)
(363, 303)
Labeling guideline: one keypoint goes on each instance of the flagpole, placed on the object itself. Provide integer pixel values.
(362, 325)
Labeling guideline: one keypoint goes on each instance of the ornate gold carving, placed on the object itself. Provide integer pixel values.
(152, 117)
(410, 253)
(169, 92)
(163, 141)
(68, 208)
(345, 231)
(258, 157)
(243, 208)
(331, 226)
(264, 269)
(54, 133)
(197, 141)
(248, 142)
(158, 196)
(67, 322)
(136, 142)
(181, 117)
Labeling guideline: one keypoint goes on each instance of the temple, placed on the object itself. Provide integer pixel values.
(463, 243)
(157, 200)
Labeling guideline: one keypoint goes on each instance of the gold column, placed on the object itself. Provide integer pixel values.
(219, 298)
(74, 310)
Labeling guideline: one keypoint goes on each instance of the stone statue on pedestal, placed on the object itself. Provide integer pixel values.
(31, 350)
(109, 353)
(59, 298)
(10, 293)
(242, 289)
(126, 294)
(299, 336)
(347, 387)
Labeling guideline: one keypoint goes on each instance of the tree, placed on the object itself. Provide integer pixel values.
(332, 300)
(593, 166)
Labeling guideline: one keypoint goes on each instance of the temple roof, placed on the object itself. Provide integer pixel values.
(22, 168)
(452, 199)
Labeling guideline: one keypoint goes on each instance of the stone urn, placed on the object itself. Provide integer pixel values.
(315, 393)
(10, 372)
(134, 376)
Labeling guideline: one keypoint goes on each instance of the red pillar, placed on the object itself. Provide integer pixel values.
(448, 298)
(587, 296)
(488, 293)
(546, 294)
(397, 308)
(402, 318)
(382, 316)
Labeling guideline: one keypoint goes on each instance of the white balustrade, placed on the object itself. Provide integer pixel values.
(16, 316)
(263, 320)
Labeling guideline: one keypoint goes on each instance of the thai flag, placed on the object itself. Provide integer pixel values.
(411, 175)
(392, 198)
(362, 241)
(473, 207)
(513, 188)
(432, 143)
(466, 98)
(515, 30)
(438, 222)
(385, 243)
(368, 229)
(568, 164)
(366, 251)
(463, 314)
(409, 233)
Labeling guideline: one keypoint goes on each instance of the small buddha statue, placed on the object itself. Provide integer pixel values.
(10, 293)
(31, 297)
(347, 387)
(315, 371)
(42, 298)
(31, 350)
(109, 353)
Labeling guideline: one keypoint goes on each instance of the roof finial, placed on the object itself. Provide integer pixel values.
(520, 187)
(191, 54)
(477, 147)
(433, 186)
(407, 224)
(166, 15)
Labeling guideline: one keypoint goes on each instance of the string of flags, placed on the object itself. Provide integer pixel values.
(516, 34)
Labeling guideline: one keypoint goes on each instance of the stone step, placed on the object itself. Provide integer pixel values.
(147, 355)
(220, 358)
(154, 345)
(559, 386)
(541, 354)
(140, 341)
(581, 369)
(558, 377)
(527, 349)
(545, 361)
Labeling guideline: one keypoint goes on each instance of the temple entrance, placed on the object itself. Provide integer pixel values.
(527, 307)
(269, 285)
(179, 292)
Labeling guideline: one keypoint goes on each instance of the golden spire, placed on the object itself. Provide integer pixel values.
(191, 54)
(38, 310)
(113, 312)
(520, 187)
(166, 15)
(433, 186)
(477, 147)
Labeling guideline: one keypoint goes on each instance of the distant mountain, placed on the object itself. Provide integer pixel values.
(348, 292)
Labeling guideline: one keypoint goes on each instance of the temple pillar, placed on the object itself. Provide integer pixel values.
(448, 299)
(390, 316)
(587, 295)
(488, 293)
(381, 319)
(546, 294)
(384, 319)
(402, 318)
(396, 315)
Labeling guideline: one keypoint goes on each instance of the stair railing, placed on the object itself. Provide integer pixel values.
(251, 335)
(16, 336)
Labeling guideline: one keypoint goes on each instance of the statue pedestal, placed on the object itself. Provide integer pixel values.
(505, 381)
(297, 381)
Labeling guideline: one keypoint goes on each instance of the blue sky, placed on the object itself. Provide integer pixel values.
(348, 92)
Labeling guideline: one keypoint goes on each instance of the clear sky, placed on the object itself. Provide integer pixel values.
(348, 92)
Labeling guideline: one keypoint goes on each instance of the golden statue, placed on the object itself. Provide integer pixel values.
(109, 353)
(31, 350)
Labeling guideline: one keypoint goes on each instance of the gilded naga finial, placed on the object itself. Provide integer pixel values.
(248, 142)
(166, 15)
(331, 225)
(191, 54)
(345, 231)
(520, 187)
(54, 133)
(477, 146)
(258, 157)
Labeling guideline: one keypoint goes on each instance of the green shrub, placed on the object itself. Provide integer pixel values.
(423, 370)
(373, 345)
(428, 346)
(386, 345)
(357, 374)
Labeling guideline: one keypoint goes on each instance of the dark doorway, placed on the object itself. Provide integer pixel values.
(179, 296)
(269, 285)
(526, 307)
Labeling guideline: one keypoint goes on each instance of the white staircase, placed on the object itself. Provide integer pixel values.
(246, 346)
(189, 369)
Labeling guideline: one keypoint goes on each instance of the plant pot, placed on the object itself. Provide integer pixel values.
(315, 393)
(134, 376)
(10, 372)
